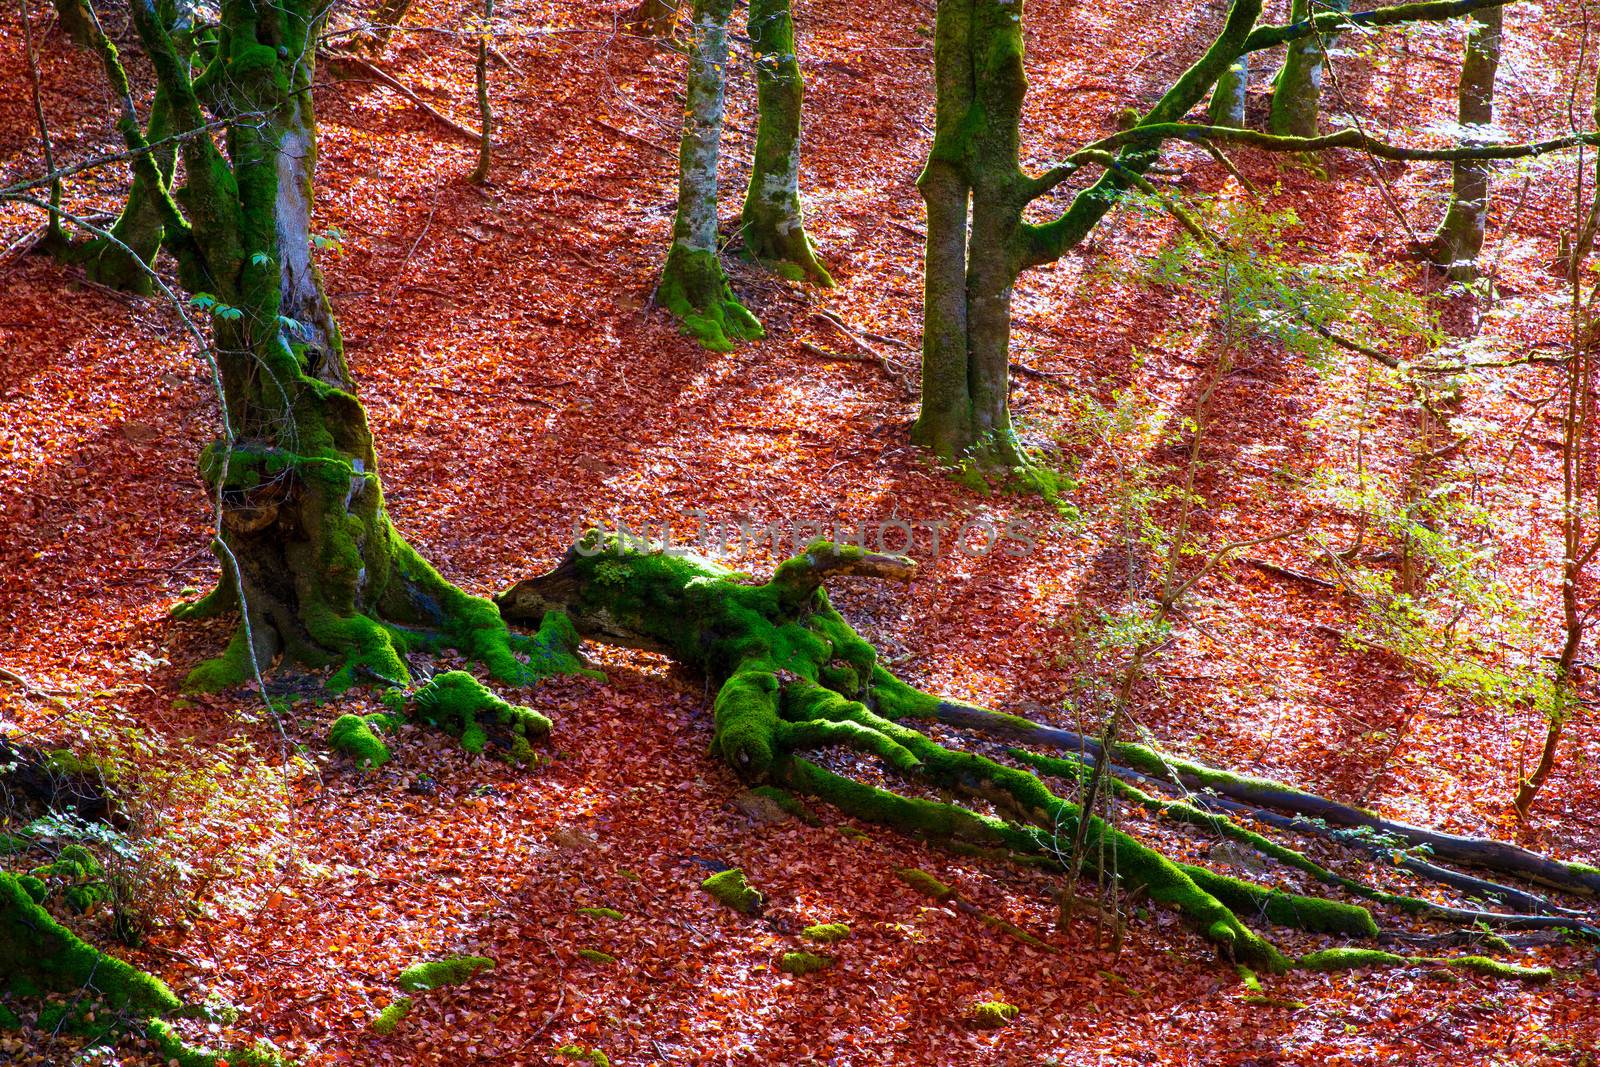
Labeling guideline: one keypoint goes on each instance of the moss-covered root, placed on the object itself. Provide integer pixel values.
(992, 1014)
(354, 736)
(457, 702)
(175, 1050)
(696, 291)
(1354, 959)
(431, 974)
(731, 890)
(391, 1016)
(39, 954)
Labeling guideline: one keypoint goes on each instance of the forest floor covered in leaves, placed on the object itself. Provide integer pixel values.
(522, 388)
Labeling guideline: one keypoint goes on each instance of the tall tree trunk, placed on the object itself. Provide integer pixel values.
(1456, 245)
(1228, 99)
(480, 173)
(307, 548)
(944, 422)
(972, 189)
(693, 286)
(1297, 94)
(772, 221)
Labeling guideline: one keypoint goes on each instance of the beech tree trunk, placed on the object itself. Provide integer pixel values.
(693, 286)
(309, 556)
(772, 221)
(1297, 94)
(1228, 99)
(1456, 245)
(971, 187)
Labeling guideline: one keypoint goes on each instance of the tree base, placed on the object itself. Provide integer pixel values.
(695, 290)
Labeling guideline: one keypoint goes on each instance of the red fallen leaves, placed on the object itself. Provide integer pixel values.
(459, 306)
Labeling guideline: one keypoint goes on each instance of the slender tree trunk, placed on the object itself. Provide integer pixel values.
(1228, 99)
(773, 224)
(139, 226)
(944, 423)
(480, 173)
(1456, 245)
(693, 286)
(1297, 95)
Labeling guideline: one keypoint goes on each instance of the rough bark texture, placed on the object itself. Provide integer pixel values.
(1297, 94)
(693, 286)
(1456, 245)
(772, 220)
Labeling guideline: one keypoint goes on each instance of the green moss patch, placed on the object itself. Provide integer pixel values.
(594, 955)
(1353, 959)
(38, 954)
(432, 974)
(458, 703)
(389, 1018)
(993, 1014)
(732, 891)
(586, 1055)
(798, 963)
(602, 913)
(827, 933)
(353, 736)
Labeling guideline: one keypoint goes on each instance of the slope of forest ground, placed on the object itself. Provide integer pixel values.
(522, 388)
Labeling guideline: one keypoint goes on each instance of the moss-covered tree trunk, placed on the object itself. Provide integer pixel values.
(972, 187)
(1232, 93)
(693, 286)
(772, 221)
(1456, 245)
(139, 226)
(1297, 93)
(306, 546)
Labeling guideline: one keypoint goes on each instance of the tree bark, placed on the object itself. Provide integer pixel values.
(1228, 99)
(1297, 94)
(772, 220)
(480, 173)
(1456, 245)
(309, 555)
(972, 187)
(693, 286)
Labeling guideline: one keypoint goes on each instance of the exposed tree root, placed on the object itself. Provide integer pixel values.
(1499, 856)
(797, 683)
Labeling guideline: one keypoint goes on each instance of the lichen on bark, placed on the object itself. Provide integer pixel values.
(693, 286)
